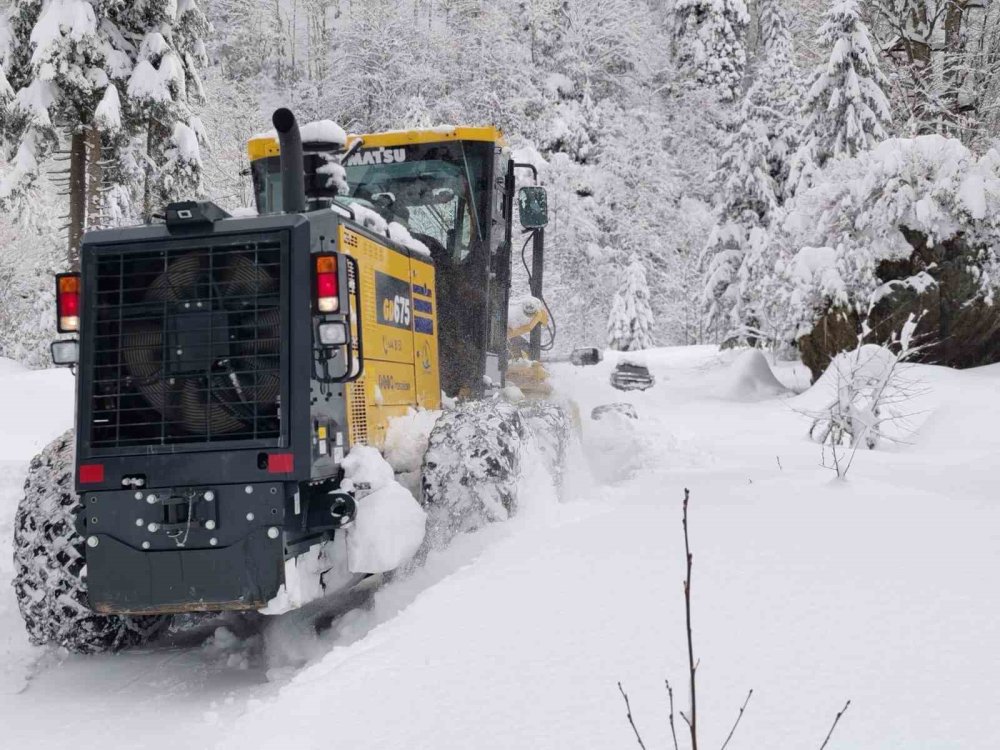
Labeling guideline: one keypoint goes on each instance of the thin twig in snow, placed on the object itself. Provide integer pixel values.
(673, 731)
(836, 719)
(628, 712)
(692, 722)
(737, 722)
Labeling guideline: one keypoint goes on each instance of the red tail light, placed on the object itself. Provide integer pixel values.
(281, 463)
(327, 286)
(68, 302)
(90, 473)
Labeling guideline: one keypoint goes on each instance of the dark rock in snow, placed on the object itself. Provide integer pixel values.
(938, 283)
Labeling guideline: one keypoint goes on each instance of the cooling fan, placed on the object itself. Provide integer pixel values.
(208, 360)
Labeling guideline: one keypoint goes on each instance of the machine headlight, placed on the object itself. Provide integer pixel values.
(66, 352)
(333, 334)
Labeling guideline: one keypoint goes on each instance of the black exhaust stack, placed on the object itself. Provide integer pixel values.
(293, 180)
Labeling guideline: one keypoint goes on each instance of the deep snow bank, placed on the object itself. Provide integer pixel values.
(36, 406)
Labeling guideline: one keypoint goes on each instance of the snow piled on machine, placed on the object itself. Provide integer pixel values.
(320, 131)
(406, 443)
(390, 524)
(395, 231)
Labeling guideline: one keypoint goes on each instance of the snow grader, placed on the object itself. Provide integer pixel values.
(226, 366)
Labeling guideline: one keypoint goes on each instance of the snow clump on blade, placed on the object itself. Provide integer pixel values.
(407, 437)
(390, 525)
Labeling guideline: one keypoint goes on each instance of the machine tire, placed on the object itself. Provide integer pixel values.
(471, 468)
(50, 569)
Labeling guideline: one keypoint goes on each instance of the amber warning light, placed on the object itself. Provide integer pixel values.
(327, 286)
(68, 302)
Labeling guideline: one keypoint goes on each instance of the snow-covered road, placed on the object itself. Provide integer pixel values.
(881, 589)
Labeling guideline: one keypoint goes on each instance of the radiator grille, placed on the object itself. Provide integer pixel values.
(357, 412)
(187, 344)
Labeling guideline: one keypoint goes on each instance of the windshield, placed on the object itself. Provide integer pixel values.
(439, 191)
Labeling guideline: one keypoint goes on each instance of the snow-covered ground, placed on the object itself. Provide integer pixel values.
(881, 589)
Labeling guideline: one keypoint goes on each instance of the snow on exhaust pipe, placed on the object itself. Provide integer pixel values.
(293, 181)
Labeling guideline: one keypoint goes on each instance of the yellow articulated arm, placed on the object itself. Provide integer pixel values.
(524, 315)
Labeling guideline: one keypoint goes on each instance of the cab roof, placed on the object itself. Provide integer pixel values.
(262, 146)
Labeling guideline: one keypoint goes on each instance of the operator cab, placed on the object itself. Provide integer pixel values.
(447, 187)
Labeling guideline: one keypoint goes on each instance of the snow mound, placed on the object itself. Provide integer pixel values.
(749, 378)
(390, 524)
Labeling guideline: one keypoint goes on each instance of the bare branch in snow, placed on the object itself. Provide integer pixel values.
(834, 726)
(737, 722)
(673, 731)
(628, 713)
(692, 722)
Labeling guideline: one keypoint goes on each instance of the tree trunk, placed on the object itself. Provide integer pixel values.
(953, 54)
(95, 178)
(77, 197)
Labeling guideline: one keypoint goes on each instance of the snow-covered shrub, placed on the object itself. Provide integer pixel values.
(868, 394)
(911, 227)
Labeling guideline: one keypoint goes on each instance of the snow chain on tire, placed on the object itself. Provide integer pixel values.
(49, 564)
(473, 462)
(471, 467)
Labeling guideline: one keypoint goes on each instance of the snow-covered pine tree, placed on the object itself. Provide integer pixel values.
(709, 43)
(845, 108)
(746, 212)
(630, 323)
(777, 91)
(164, 136)
(101, 77)
(55, 66)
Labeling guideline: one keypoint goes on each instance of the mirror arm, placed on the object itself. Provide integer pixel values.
(534, 170)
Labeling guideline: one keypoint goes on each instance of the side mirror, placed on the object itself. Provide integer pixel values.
(533, 207)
